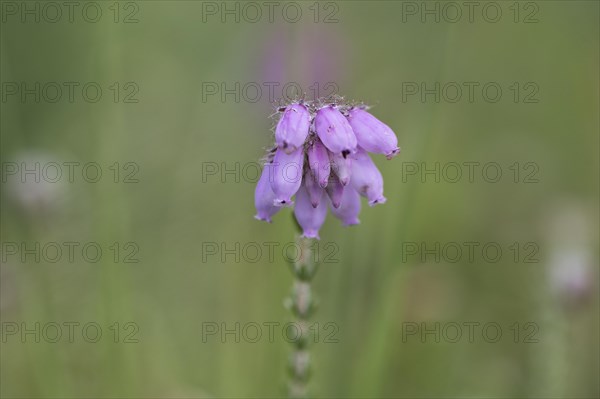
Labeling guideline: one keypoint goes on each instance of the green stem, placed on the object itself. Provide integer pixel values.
(302, 304)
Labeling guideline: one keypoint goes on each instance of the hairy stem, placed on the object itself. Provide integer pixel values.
(302, 304)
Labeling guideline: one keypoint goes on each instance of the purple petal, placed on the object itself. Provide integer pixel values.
(318, 160)
(372, 134)
(334, 131)
(315, 192)
(366, 178)
(349, 208)
(286, 175)
(292, 128)
(264, 197)
(335, 190)
(342, 167)
(309, 218)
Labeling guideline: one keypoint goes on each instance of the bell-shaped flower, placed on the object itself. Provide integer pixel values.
(286, 175)
(309, 218)
(366, 178)
(342, 167)
(372, 134)
(334, 131)
(264, 198)
(349, 209)
(318, 159)
(335, 190)
(315, 192)
(292, 128)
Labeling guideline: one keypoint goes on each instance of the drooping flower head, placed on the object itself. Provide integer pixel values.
(321, 158)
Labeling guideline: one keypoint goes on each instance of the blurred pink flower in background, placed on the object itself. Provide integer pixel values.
(571, 273)
(305, 60)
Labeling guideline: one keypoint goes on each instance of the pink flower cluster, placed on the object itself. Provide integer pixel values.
(321, 158)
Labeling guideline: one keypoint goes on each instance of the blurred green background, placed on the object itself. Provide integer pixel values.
(175, 130)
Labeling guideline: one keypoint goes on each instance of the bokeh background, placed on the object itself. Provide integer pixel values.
(370, 50)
